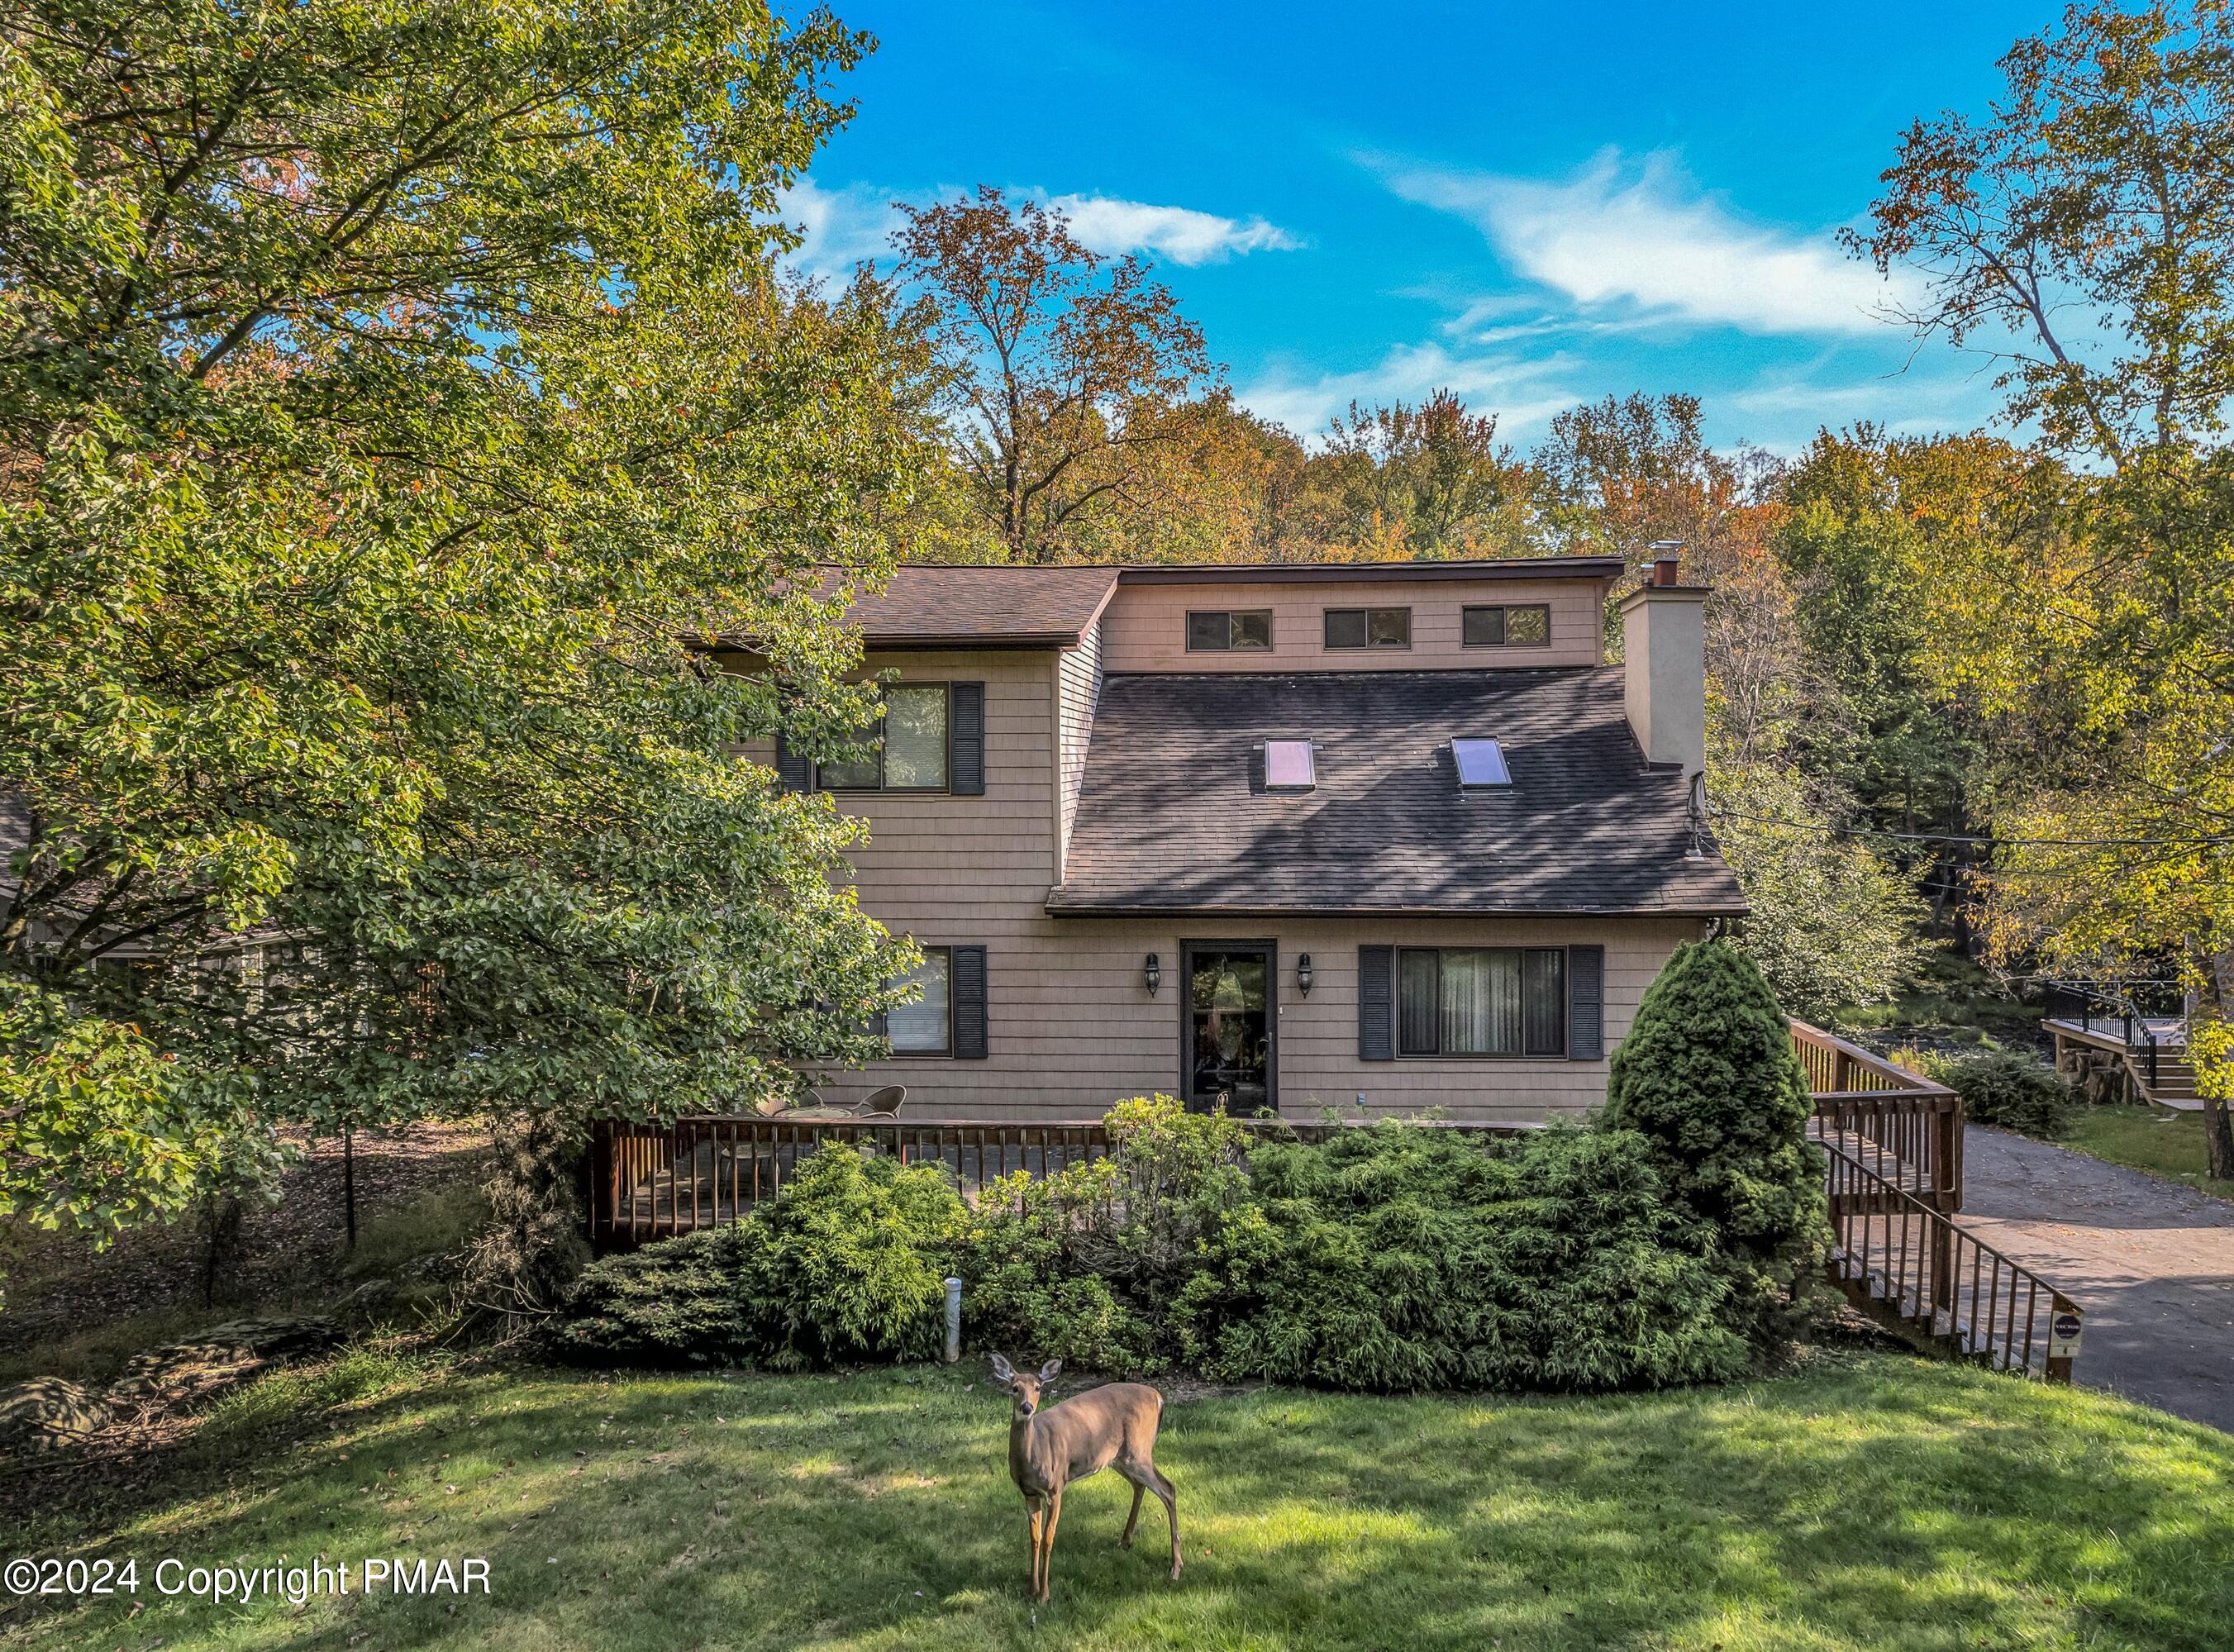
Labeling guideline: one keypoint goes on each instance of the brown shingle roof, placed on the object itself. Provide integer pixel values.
(1173, 816)
(984, 607)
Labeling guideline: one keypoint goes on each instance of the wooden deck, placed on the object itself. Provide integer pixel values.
(2143, 1057)
(1893, 1143)
(651, 1181)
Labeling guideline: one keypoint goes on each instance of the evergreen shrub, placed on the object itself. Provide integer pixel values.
(1707, 1076)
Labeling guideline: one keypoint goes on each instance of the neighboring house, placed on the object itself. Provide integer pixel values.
(1372, 838)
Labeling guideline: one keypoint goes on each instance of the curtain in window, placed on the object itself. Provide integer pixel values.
(1481, 1002)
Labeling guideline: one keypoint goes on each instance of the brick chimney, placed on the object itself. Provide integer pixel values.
(1664, 670)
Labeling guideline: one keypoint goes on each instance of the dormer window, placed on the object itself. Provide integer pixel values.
(1216, 630)
(1348, 627)
(1481, 765)
(1288, 766)
(1525, 625)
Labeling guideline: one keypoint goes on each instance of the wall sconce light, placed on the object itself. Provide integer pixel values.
(1153, 973)
(1304, 973)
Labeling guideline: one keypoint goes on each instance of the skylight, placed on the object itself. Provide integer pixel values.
(1288, 766)
(1481, 762)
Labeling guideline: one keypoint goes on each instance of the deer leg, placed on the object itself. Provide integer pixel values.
(1133, 1519)
(1032, 1519)
(1046, 1540)
(1170, 1498)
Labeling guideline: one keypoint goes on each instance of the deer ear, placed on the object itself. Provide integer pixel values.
(1047, 1371)
(1002, 1369)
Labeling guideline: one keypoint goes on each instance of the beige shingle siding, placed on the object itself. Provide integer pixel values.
(1071, 1026)
(1145, 628)
(1078, 690)
(1072, 1029)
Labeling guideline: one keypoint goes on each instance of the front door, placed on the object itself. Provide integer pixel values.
(1226, 1042)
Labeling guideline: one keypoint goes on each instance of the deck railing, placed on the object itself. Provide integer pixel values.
(1902, 1261)
(1906, 1128)
(652, 1181)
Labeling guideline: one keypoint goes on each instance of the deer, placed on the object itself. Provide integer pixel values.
(1111, 1426)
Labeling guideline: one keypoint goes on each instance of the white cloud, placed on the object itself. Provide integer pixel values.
(1645, 239)
(841, 227)
(1179, 233)
(1514, 390)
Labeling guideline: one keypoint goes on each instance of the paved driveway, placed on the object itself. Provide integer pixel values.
(2151, 1261)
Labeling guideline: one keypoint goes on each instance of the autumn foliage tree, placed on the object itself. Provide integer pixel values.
(1070, 383)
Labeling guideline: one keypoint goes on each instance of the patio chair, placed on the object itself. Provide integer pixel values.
(775, 1106)
(883, 1104)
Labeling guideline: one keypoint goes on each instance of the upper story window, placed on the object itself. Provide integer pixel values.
(1527, 625)
(1481, 1001)
(912, 744)
(1369, 628)
(1218, 630)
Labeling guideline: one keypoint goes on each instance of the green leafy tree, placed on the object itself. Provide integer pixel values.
(387, 395)
(1433, 477)
(1831, 923)
(1707, 1074)
(2086, 230)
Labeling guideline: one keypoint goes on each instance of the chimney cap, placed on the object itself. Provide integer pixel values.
(1667, 556)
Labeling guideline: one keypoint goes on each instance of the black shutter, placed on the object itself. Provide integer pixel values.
(966, 705)
(1377, 1006)
(970, 1039)
(794, 772)
(1586, 1003)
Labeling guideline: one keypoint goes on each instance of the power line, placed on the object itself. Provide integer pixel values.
(2200, 842)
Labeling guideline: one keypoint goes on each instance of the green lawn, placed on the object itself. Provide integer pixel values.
(2144, 1137)
(1877, 1502)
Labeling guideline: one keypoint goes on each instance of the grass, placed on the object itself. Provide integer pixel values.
(1873, 1501)
(2169, 1145)
(435, 1223)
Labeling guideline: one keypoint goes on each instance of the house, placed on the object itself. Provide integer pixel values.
(1372, 838)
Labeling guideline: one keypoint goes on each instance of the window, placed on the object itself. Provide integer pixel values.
(1527, 626)
(1217, 629)
(1481, 1001)
(1288, 766)
(910, 745)
(926, 1026)
(1369, 628)
(1480, 762)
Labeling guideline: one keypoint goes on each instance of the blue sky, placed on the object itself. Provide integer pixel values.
(1531, 205)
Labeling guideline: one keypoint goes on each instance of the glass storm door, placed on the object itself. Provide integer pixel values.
(1228, 1035)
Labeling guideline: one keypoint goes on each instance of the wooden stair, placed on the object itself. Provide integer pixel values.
(2174, 1088)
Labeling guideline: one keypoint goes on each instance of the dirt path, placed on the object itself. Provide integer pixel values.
(2151, 1261)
